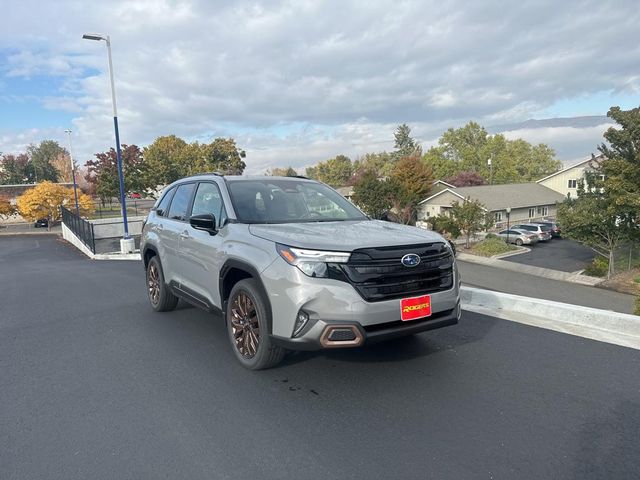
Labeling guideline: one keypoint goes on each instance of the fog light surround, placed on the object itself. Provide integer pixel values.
(301, 321)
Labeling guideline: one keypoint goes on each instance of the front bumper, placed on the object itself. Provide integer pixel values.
(330, 303)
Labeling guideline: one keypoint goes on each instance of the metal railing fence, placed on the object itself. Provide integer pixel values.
(80, 227)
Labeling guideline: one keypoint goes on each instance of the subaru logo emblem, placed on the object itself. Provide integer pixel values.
(410, 260)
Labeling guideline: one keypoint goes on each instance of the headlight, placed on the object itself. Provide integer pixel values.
(312, 263)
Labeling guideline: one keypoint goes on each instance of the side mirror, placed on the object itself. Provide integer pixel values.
(206, 222)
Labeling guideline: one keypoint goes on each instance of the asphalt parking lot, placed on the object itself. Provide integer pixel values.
(93, 384)
(557, 254)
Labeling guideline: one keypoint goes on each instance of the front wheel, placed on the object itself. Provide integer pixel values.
(248, 327)
(519, 242)
(160, 297)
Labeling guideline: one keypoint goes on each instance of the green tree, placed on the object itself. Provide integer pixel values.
(15, 169)
(165, 161)
(469, 149)
(619, 174)
(335, 172)
(590, 219)
(607, 210)
(42, 157)
(372, 195)
(380, 163)
(413, 178)
(222, 155)
(103, 172)
(405, 144)
(468, 217)
(282, 172)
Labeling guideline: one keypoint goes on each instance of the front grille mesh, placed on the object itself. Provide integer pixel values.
(378, 274)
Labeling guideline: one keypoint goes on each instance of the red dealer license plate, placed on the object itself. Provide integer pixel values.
(414, 308)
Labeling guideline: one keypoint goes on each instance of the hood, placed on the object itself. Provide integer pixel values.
(343, 236)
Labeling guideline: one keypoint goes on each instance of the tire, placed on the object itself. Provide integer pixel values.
(160, 297)
(247, 320)
(519, 242)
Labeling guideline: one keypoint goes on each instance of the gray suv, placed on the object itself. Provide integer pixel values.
(292, 265)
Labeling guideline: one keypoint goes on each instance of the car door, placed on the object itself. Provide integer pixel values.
(201, 254)
(176, 221)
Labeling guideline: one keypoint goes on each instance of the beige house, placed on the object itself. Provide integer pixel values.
(566, 181)
(526, 202)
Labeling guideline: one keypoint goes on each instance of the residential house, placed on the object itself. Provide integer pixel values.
(566, 181)
(526, 201)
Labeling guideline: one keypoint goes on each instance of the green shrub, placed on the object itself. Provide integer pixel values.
(637, 279)
(598, 268)
(492, 246)
(491, 235)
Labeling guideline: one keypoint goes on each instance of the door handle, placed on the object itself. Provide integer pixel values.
(185, 235)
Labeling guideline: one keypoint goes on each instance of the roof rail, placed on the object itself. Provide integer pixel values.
(208, 173)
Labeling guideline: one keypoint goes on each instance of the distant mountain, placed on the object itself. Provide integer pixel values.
(575, 122)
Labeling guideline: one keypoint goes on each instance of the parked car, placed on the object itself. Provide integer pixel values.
(135, 195)
(293, 265)
(42, 223)
(519, 237)
(543, 232)
(556, 231)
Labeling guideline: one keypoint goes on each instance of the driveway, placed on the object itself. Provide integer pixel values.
(558, 254)
(93, 384)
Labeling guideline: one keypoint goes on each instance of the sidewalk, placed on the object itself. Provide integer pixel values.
(517, 282)
(530, 270)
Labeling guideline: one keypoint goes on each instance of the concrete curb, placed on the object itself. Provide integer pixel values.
(519, 251)
(528, 269)
(117, 256)
(603, 325)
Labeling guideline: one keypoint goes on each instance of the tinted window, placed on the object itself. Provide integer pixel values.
(161, 209)
(289, 201)
(209, 200)
(180, 202)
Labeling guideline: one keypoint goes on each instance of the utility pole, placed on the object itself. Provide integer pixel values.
(73, 173)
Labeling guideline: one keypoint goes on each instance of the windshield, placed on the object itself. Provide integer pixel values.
(289, 201)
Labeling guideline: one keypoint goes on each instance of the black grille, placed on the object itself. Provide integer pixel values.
(342, 335)
(378, 273)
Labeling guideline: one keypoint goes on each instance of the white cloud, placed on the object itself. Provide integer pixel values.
(348, 70)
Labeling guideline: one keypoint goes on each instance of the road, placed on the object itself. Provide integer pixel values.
(500, 280)
(558, 254)
(93, 384)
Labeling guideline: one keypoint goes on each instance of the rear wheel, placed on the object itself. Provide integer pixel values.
(248, 327)
(160, 297)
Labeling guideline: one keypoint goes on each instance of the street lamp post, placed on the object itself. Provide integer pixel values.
(490, 164)
(508, 222)
(126, 244)
(73, 173)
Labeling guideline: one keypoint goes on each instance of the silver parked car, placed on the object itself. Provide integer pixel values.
(518, 237)
(291, 264)
(543, 232)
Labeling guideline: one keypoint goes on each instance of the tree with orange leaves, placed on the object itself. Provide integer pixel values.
(45, 200)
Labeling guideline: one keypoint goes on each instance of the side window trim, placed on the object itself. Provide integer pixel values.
(222, 202)
(169, 194)
(189, 204)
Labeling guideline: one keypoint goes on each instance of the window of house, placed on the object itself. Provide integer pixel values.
(498, 216)
(573, 183)
(543, 211)
(532, 212)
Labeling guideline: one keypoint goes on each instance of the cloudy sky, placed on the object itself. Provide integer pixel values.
(300, 81)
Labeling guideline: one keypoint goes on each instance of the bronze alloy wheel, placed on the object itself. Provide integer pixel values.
(153, 283)
(244, 324)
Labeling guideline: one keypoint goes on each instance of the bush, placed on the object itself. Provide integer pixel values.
(598, 268)
(491, 235)
(492, 246)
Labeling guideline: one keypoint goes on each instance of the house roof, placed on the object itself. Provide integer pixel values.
(597, 159)
(499, 197)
